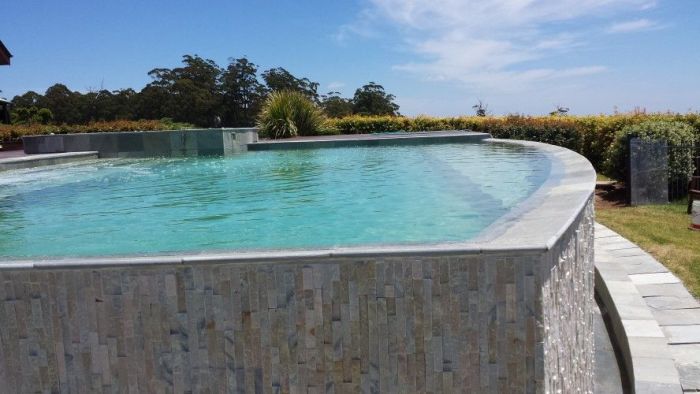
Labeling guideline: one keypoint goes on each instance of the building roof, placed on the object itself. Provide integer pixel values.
(5, 55)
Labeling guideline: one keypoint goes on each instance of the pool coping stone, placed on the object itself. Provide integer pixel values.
(41, 160)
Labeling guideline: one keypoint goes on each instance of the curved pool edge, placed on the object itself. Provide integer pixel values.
(513, 312)
(532, 226)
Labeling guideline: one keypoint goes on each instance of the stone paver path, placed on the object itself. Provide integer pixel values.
(664, 326)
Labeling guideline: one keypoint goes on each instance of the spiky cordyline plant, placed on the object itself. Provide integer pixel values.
(287, 114)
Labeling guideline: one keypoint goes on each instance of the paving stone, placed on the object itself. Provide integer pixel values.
(675, 312)
(682, 334)
(653, 369)
(656, 278)
(664, 289)
(657, 388)
(689, 376)
(666, 302)
(642, 328)
(688, 364)
(612, 272)
(632, 251)
(641, 264)
(669, 317)
(648, 346)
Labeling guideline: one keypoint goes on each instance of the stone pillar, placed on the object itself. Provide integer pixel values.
(648, 172)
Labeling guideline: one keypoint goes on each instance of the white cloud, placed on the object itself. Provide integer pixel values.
(632, 26)
(493, 44)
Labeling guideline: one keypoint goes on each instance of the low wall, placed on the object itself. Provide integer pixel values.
(511, 312)
(172, 143)
(16, 163)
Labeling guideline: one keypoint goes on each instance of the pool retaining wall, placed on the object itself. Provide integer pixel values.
(509, 313)
(170, 143)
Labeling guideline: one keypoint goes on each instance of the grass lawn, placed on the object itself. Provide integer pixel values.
(661, 230)
(604, 178)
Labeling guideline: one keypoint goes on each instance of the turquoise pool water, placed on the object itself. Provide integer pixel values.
(265, 200)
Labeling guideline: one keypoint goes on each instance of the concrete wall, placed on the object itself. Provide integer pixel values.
(146, 144)
(503, 321)
(16, 163)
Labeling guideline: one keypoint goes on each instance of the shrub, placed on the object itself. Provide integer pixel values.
(358, 124)
(671, 131)
(551, 130)
(289, 113)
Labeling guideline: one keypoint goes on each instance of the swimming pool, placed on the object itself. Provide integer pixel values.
(278, 199)
(400, 263)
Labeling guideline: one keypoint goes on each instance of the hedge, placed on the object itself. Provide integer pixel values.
(14, 132)
(592, 136)
(673, 132)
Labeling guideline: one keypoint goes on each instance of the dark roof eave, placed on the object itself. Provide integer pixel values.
(4, 53)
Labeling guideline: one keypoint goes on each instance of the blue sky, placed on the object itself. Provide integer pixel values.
(437, 56)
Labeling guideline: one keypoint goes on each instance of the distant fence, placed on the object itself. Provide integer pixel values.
(658, 172)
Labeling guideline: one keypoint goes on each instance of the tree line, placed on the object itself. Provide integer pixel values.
(199, 92)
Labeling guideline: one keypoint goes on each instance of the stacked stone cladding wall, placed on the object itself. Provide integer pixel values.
(567, 309)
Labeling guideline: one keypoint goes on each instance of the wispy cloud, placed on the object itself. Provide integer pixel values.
(633, 26)
(498, 44)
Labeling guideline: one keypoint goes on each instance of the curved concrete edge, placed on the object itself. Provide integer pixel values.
(646, 356)
(22, 162)
(544, 217)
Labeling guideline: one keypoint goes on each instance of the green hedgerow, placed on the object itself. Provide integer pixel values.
(288, 114)
(671, 131)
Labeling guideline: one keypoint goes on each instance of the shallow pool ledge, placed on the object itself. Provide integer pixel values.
(510, 311)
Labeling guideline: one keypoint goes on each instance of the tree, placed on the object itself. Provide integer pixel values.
(29, 115)
(243, 94)
(64, 104)
(279, 79)
(371, 99)
(154, 102)
(335, 106)
(29, 99)
(481, 109)
(192, 92)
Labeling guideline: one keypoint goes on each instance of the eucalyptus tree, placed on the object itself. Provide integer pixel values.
(242, 93)
(371, 99)
(192, 93)
(335, 106)
(279, 79)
